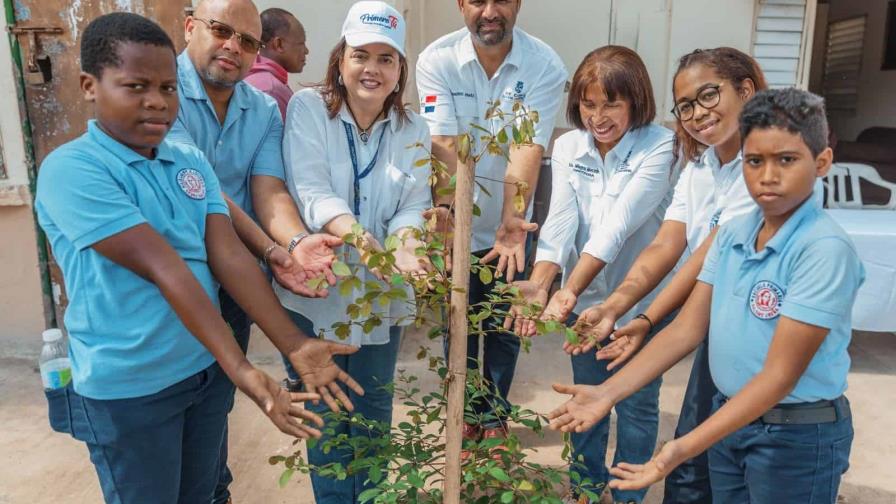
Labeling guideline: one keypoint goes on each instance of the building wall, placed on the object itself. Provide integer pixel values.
(877, 100)
(21, 300)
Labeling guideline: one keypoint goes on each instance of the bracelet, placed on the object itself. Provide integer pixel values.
(295, 241)
(645, 317)
(267, 253)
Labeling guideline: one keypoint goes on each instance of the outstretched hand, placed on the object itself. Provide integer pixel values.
(312, 258)
(595, 323)
(313, 360)
(510, 247)
(638, 476)
(284, 408)
(522, 323)
(587, 406)
(625, 342)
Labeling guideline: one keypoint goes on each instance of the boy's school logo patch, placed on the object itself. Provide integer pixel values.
(192, 183)
(766, 299)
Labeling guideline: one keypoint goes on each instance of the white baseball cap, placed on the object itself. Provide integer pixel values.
(372, 22)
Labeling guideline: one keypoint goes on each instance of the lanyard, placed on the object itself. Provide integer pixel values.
(349, 134)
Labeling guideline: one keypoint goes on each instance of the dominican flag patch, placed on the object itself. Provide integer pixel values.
(429, 104)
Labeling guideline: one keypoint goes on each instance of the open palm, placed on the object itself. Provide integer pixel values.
(313, 360)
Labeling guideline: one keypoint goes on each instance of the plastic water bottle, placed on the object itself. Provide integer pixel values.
(55, 367)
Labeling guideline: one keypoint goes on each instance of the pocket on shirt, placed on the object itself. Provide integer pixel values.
(617, 183)
(398, 181)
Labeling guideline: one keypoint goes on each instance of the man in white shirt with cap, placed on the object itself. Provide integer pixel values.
(459, 77)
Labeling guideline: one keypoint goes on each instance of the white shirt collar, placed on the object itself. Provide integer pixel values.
(467, 52)
(392, 117)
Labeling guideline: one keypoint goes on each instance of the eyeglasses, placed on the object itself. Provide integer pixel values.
(708, 98)
(222, 31)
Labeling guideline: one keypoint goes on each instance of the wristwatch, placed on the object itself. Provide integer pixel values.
(294, 242)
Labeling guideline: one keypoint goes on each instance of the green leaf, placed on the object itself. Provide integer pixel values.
(392, 243)
(284, 478)
(476, 210)
(502, 136)
(341, 269)
(438, 261)
(485, 275)
(422, 162)
(507, 497)
(499, 474)
(369, 494)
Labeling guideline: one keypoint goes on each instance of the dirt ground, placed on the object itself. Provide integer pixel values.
(39, 466)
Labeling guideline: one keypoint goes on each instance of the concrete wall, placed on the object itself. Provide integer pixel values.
(877, 100)
(21, 301)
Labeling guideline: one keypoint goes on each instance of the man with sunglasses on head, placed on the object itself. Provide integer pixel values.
(240, 131)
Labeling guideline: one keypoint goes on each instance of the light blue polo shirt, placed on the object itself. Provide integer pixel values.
(125, 339)
(809, 271)
(248, 143)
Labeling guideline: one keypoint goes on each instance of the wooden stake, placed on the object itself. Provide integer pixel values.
(457, 326)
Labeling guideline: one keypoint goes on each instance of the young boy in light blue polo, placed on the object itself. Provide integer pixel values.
(779, 284)
(142, 235)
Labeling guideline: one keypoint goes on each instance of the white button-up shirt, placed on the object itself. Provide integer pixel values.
(709, 194)
(609, 208)
(455, 91)
(320, 177)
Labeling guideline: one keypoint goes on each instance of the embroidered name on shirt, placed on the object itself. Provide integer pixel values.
(465, 94)
(390, 22)
(581, 169)
(192, 183)
(766, 299)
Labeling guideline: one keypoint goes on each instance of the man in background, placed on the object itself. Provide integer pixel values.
(284, 52)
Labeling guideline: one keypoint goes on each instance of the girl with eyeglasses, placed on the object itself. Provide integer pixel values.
(710, 89)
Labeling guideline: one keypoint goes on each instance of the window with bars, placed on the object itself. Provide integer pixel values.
(843, 63)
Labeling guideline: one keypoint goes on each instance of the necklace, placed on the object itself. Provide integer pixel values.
(363, 133)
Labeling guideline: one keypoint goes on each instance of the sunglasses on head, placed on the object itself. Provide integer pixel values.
(223, 31)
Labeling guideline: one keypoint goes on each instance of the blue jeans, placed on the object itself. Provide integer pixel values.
(373, 367)
(774, 463)
(240, 324)
(689, 482)
(637, 424)
(161, 448)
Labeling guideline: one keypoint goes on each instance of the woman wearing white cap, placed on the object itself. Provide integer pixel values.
(347, 161)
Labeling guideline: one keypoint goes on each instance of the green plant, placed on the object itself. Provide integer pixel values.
(405, 462)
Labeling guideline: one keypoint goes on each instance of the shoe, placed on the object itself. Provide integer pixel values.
(471, 432)
(499, 432)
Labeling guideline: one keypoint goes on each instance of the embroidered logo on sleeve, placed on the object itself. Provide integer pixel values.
(766, 299)
(429, 104)
(192, 183)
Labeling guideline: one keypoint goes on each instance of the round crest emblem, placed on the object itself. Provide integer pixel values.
(191, 183)
(766, 299)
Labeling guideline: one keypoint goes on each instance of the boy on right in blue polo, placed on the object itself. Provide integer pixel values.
(776, 293)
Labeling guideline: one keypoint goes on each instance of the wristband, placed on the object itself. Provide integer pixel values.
(295, 241)
(267, 253)
(645, 317)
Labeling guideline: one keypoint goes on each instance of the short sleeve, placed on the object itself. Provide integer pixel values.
(269, 160)
(82, 198)
(713, 255)
(823, 283)
(214, 194)
(436, 102)
(545, 98)
(678, 210)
